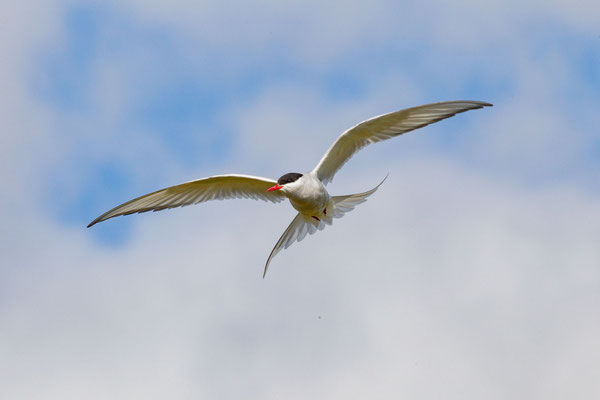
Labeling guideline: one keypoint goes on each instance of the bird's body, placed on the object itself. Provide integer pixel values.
(308, 195)
(306, 192)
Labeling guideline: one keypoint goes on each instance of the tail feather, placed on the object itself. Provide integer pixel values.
(344, 204)
(295, 232)
(303, 225)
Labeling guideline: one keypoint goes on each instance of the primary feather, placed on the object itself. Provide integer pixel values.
(385, 127)
(217, 187)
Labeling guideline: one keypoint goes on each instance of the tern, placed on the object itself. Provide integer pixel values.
(305, 191)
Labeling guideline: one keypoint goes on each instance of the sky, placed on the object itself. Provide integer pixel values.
(473, 272)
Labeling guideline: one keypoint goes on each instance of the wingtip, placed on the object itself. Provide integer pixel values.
(383, 180)
(479, 104)
(94, 222)
(482, 103)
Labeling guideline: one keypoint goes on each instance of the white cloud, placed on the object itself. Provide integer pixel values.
(444, 282)
(317, 35)
(451, 281)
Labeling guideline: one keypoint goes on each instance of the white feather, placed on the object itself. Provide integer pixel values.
(385, 127)
(218, 187)
(302, 224)
(307, 193)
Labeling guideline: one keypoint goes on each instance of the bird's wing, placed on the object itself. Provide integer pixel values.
(385, 127)
(218, 187)
(295, 232)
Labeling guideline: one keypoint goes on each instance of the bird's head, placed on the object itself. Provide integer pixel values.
(286, 181)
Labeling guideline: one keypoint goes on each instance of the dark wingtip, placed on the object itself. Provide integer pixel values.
(383, 180)
(479, 104)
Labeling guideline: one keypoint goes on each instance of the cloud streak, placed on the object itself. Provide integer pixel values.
(472, 272)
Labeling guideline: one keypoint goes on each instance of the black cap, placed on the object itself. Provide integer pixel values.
(289, 177)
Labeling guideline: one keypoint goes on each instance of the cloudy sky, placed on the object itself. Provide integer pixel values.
(474, 272)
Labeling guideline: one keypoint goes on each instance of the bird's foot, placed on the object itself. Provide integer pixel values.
(325, 211)
(317, 218)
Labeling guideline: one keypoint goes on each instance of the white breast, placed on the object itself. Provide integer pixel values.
(308, 195)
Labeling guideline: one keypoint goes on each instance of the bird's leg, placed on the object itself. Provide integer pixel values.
(325, 211)
(317, 218)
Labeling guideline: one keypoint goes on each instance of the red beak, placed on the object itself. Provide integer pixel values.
(276, 187)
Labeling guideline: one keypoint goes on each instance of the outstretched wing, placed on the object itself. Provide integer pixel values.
(385, 127)
(218, 187)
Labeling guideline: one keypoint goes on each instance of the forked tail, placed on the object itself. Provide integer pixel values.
(344, 204)
(303, 224)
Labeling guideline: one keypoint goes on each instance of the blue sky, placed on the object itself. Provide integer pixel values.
(473, 271)
(177, 98)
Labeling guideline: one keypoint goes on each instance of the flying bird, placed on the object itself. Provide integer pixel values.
(305, 191)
